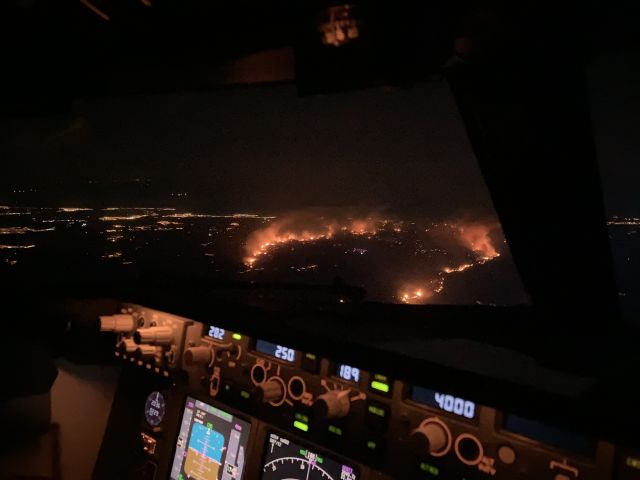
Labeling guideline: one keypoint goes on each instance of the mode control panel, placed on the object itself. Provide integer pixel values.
(393, 428)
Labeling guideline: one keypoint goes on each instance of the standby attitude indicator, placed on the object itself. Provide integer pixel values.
(286, 460)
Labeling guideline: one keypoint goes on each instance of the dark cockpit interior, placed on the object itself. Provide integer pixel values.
(319, 240)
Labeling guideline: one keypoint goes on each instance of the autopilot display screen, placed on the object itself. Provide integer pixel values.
(555, 437)
(280, 352)
(445, 402)
(287, 460)
(211, 445)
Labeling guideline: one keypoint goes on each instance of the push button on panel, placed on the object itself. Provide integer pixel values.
(374, 449)
(377, 416)
(506, 455)
(380, 384)
(310, 363)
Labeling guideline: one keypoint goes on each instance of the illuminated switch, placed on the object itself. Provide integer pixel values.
(377, 416)
(628, 466)
(380, 384)
(148, 443)
(373, 448)
(310, 363)
(335, 431)
(429, 470)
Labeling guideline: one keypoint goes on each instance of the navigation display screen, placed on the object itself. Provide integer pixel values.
(211, 445)
(286, 460)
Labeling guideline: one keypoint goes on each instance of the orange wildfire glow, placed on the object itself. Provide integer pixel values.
(303, 227)
(474, 237)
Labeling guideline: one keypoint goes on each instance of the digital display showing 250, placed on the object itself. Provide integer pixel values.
(278, 351)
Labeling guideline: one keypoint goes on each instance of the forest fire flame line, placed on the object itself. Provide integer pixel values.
(284, 231)
(474, 237)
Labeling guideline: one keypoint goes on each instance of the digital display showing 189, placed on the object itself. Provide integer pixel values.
(278, 351)
(348, 373)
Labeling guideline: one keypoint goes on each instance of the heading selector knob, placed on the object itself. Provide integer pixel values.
(333, 404)
(432, 436)
(119, 323)
(271, 391)
(154, 335)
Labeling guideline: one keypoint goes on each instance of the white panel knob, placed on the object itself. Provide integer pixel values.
(119, 323)
(154, 335)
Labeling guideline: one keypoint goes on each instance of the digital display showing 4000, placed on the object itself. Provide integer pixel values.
(443, 401)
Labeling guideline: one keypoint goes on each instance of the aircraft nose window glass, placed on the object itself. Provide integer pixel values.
(376, 189)
(615, 102)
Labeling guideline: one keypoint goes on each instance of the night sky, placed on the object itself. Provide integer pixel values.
(265, 148)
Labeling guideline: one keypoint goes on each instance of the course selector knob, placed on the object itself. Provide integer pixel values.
(333, 404)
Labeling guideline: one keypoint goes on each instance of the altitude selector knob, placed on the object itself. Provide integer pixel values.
(433, 437)
(333, 404)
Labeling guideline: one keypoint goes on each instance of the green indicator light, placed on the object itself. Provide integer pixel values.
(371, 445)
(335, 430)
(382, 387)
(301, 426)
(382, 378)
(302, 418)
(303, 452)
(426, 467)
(376, 411)
(244, 394)
(209, 425)
(310, 356)
(633, 462)
(319, 460)
(227, 387)
(236, 336)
